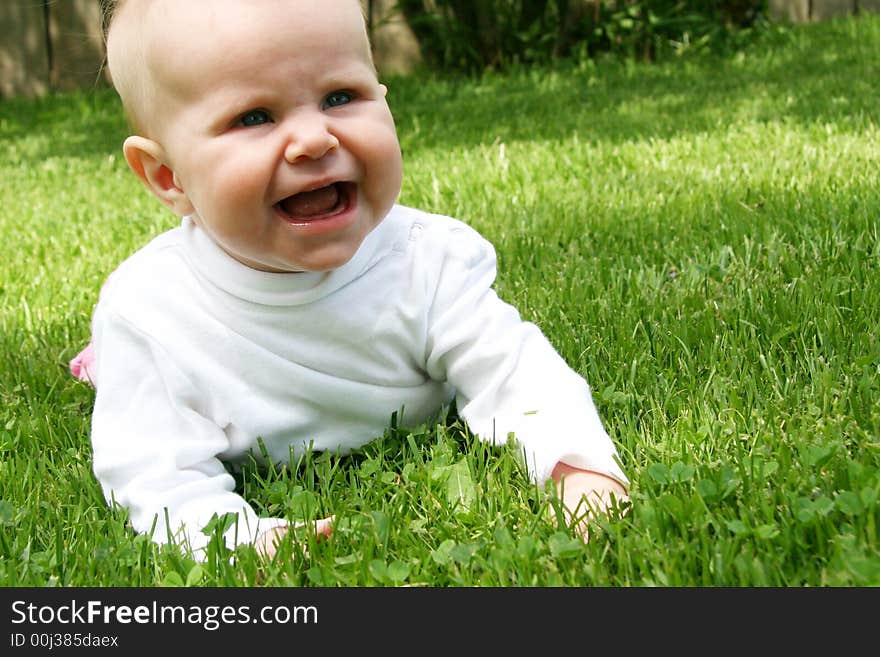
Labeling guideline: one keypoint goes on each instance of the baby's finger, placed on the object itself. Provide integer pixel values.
(324, 526)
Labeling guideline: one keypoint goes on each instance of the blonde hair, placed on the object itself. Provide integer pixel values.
(108, 9)
(123, 57)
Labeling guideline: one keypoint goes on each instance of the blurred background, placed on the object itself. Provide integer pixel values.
(56, 45)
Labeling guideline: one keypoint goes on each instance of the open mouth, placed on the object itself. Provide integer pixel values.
(316, 203)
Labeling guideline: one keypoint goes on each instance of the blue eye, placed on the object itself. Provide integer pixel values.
(254, 117)
(338, 98)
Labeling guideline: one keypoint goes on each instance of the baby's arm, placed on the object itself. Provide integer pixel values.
(510, 380)
(584, 494)
(156, 446)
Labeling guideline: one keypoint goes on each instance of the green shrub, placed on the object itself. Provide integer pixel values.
(473, 35)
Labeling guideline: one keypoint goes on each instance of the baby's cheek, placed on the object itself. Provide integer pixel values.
(238, 183)
(386, 176)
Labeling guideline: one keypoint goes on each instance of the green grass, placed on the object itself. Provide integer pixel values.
(698, 238)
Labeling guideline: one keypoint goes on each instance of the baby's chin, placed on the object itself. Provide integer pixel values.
(322, 261)
(332, 256)
(326, 262)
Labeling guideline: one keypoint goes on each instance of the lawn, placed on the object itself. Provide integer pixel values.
(697, 237)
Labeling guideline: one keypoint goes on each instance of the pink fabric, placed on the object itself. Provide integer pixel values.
(82, 366)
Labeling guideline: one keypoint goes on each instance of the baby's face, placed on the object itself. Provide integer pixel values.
(275, 127)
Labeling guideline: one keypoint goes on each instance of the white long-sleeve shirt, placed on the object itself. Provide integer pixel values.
(197, 357)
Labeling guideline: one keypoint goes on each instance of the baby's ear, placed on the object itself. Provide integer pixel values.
(148, 161)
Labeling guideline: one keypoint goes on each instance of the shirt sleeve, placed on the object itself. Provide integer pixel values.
(155, 452)
(508, 377)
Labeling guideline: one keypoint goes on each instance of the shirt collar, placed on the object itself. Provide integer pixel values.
(277, 289)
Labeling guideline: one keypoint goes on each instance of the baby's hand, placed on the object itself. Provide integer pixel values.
(267, 542)
(585, 494)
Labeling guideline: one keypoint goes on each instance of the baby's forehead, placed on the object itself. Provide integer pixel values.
(157, 48)
(161, 30)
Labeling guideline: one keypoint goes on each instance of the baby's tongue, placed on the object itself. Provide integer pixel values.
(313, 203)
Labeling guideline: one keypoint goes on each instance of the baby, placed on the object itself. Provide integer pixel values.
(297, 304)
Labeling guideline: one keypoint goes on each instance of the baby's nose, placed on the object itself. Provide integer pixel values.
(310, 139)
